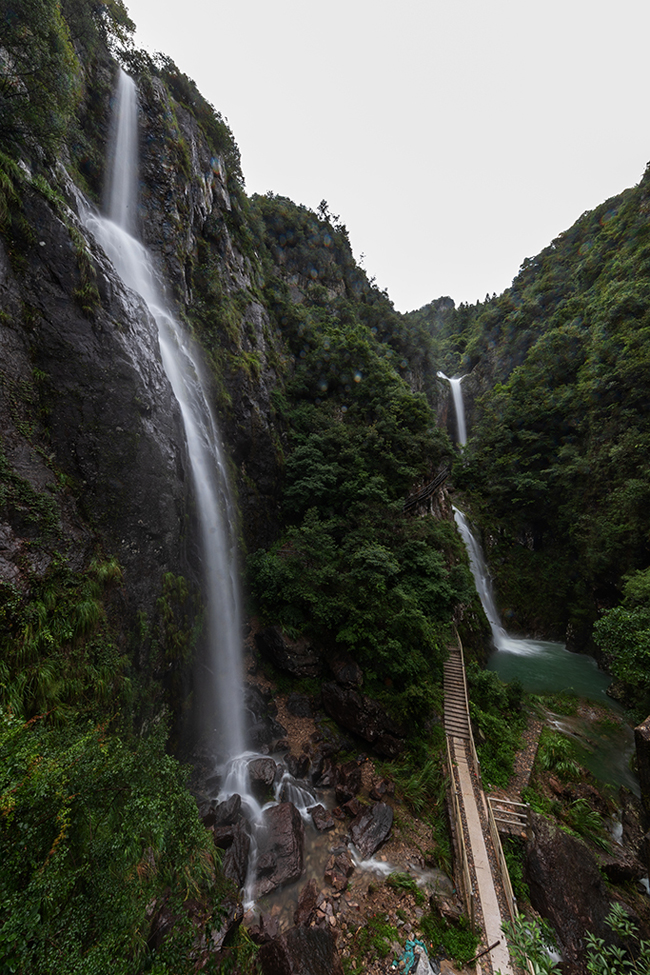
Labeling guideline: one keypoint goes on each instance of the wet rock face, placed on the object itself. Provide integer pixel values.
(301, 951)
(296, 657)
(186, 211)
(261, 774)
(363, 716)
(371, 828)
(113, 426)
(281, 845)
(263, 729)
(567, 887)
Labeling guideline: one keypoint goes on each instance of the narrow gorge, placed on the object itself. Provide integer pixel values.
(245, 517)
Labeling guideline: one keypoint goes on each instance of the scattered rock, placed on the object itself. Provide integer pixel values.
(323, 820)
(301, 951)
(297, 657)
(324, 773)
(339, 867)
(371, 828)
(280, 848)
(381, 788)
(228, 812)
(352, 807)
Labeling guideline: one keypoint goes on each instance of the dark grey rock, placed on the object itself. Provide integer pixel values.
(301, 951)
(323, 820)
(296, 657)
(348, 781)
(281, 845)
(371, 828)
(345, 669)
(261, 774)
(298, 705)
(363, 716)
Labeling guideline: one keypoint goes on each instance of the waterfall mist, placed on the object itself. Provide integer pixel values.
(215, 511)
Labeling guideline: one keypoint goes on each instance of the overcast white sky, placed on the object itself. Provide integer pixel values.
(454, 138)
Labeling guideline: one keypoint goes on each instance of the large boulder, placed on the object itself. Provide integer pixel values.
(348, 781)
(371, 828)
(297, 657)
(567, 887)
(363, 716)
(236, 842)
(345, 669)
(281, 843)
(261, 775)
(301, 951)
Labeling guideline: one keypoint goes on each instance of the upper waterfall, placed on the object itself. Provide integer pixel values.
(215, 510)
(459, 406)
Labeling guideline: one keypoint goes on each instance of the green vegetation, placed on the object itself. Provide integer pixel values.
(94, 828)
(350, 569)
(623, 633)
(555, 754)
(498, 719)
(529, 940)
(557, 467)
(456, 941)
(375, 938)
(405, 882)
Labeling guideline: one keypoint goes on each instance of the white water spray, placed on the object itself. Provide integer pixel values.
(214, 507)
(459, 406)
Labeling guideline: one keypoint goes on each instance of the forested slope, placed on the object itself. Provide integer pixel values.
(557, 467)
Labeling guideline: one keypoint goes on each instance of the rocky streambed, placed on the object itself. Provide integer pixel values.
(318, 844)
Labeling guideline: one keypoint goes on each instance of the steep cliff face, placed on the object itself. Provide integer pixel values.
(89, 420)
(193, 220)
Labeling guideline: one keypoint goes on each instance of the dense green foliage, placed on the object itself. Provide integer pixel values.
(557, 466)
(351, 570)
(94, 828)
(623, 633)
(498, 720)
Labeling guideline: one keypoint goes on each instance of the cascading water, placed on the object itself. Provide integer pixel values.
(542, 666)
(115, 233)
(459, 406)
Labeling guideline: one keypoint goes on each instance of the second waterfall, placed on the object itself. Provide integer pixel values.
(115, 232)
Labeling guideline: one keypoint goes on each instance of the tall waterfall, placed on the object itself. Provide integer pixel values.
(459, 406)
(115, 232)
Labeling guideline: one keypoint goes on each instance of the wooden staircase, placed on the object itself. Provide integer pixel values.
(456, 705)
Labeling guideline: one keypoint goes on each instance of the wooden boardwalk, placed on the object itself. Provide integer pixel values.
(479, 857)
